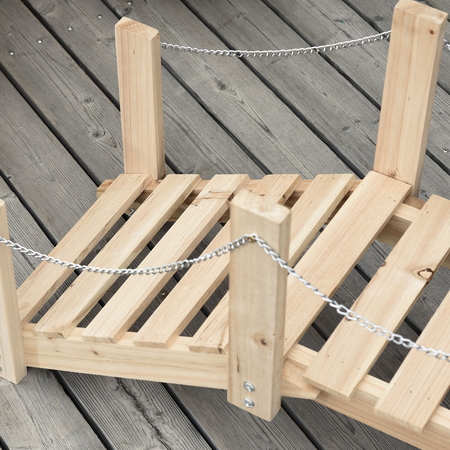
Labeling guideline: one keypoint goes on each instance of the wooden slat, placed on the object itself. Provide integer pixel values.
(12, 353)
(421, 383)
(410, 84)
(141, 104)
(435, 436)
(80, 240)
(309, 213)
(190, 294)
(120, 251)
(257, 305)
(351, 350)
(337, 250)
(136, 294)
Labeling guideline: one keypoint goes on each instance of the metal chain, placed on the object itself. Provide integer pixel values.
(280, 53)
(246, 238)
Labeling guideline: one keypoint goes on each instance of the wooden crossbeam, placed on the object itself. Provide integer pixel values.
(78, 242)
(421, 383)
(197, 285)
(121, 250)
(178, 243)
(351, 351)
(309, 214)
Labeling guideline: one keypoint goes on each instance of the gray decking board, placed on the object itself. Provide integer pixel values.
(184, 127)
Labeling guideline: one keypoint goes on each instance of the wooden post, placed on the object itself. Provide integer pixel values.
(257, 306)
(141, 106)
(12, 351)
(410, 84)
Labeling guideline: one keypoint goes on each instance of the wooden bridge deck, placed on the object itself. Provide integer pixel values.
(60, 138)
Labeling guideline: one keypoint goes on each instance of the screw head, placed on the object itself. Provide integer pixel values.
(163, 293)
(100, 16)
(39, 41)
(248, 403)
(446, 150)
(129, 2)
(11, 53)
(249, 386)
(69, 28)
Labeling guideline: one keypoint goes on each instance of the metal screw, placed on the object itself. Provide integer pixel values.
(11, 53)
(446, 150)
(100, 16)
(163, 294)
(39, 41)
(248, 403)
(129, 2)
(69, 28)
(249, 386)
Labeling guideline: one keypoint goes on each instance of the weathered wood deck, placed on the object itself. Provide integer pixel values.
(60, 138)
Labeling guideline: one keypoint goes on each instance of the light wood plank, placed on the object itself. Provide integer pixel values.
(12, 353)
(197, 285)
(257, 305)
(435, 436)
(141, 105)
(80, 240)
(351, 351)
(178, 243)
(337, 250)
(421, 383)
(309, 214)
(120, 251)
(410, 84)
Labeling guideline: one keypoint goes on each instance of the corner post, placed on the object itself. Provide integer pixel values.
(257, 306)
(12, 351)
(141, 105)
(410, 85)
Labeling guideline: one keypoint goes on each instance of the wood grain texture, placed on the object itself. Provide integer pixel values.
(337, 250)
(323, 22)
(141, 104)
(197, 285)
(309, 214)
(257, 305)
(12, 353)
(76, 245)
(178, 243)
(350, 352)
(120, 251)
(421, 383)
(410, 84)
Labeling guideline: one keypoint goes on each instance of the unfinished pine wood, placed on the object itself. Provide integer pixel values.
(257, 305)
(337, 250)
(141, 106)
(435, 436)
(178, 243)
(421, 383)
(351, 351)
(180, 307)
(120, 251)
(80, 240)
(309, 214)
(410, 84)
(12, 352)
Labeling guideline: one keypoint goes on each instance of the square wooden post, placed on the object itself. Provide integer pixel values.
(141, 105)
(12, 351)
(410, 84)
(257, 306)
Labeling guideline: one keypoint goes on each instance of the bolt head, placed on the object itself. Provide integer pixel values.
(248, 403)
(249, 386)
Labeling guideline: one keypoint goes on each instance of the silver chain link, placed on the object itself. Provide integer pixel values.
(246, 238)
(280, 53)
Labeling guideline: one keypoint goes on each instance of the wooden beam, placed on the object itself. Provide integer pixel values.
(12, 352)
(410, 84)
(257, 306)
(141, 106)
